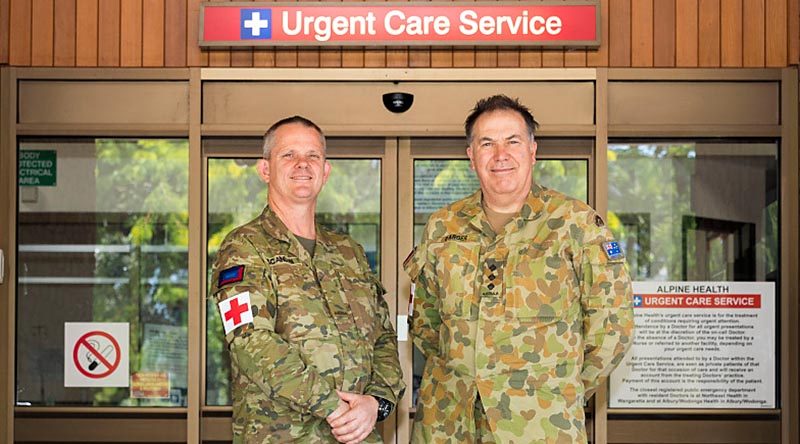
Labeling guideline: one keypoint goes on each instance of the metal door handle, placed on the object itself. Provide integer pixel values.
(2, 266)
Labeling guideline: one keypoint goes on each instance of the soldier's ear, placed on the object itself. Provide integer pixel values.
(469, 154)
(263, 169)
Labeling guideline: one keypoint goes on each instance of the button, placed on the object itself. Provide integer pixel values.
(493, 267)
(491, 277)
(491, 286)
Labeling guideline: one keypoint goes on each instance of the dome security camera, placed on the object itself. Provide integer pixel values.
(398, 102)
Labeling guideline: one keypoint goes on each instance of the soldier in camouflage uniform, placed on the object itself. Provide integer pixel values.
(523, 301)
(313, 352)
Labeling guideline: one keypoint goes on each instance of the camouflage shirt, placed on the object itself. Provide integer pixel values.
(530, 319)
(319, 324)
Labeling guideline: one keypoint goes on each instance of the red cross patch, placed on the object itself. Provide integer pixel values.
(235, 311)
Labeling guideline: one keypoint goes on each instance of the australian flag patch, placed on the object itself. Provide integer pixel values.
(231, 275)
(613, 251)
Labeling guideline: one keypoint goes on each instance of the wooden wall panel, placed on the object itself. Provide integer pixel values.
(531, 58)
(443, 57)
(619, 33)
(487, 58)
(325, 57)
(19, 50)
(396, 57)
(731, 32)
(4, 11)
(64, 33)
(285, 58)
(598, 57)
(686, 33)
(86, 41)
(131, 33)
(776, 26)
(42, 33)
(575, 58)
(194, 56)
(108, 32)
(374, 58)
(175, 16)
(465, 58)
(419, 58)
(753, 31)
(552, 58)
(641, 32)
(637, 33)
(709, 32)
(153, 33)
(310, 58)
(794, 32)
(664, 33)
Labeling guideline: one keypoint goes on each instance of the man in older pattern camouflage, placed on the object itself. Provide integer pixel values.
(319, 358)
(523, 301)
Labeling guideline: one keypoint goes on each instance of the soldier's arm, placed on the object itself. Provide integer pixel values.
(425, 319)
(260, 354)
(387, 376)
(606, 299)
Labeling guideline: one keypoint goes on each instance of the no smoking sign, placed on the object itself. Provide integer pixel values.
(96, 354)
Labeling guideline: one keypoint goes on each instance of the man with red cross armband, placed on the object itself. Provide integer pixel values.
(523, 303)
(313, 352)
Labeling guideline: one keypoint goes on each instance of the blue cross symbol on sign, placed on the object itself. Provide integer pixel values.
(256, 24)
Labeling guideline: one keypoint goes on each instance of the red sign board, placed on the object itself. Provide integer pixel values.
(544, 23)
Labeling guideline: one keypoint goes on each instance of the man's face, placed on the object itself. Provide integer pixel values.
(502, 155)
(296, 169)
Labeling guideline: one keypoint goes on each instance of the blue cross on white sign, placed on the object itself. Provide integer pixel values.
(637, 300)
(256, 24)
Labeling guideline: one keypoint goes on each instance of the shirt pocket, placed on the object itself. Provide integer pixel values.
(540, 282)
(301, 312)
(456, 270)
(361, 297)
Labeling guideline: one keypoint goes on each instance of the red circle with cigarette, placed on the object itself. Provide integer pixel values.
(95, 357)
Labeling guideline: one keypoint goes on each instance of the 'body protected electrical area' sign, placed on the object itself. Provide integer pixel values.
(37, 168)
(554, 23)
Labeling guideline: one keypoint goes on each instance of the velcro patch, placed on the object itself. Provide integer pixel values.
(613, 250)
(235, 311)
(230, 275)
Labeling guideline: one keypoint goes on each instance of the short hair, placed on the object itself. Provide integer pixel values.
(269, 136)
(496, 103)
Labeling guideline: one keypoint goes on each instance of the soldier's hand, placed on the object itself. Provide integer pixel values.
(341, 409)
(357, 423)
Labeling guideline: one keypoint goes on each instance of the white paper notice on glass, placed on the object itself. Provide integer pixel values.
(699, 345)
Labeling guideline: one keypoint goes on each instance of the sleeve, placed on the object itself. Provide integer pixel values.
(259, 354)
(386, 380)
(606, 300)
(425, 319)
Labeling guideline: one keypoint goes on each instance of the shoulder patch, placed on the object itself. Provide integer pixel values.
(236, 311)
(230, 275)
(613, 250)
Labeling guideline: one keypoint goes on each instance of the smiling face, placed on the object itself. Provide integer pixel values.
(296, 169)
(502, 153)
